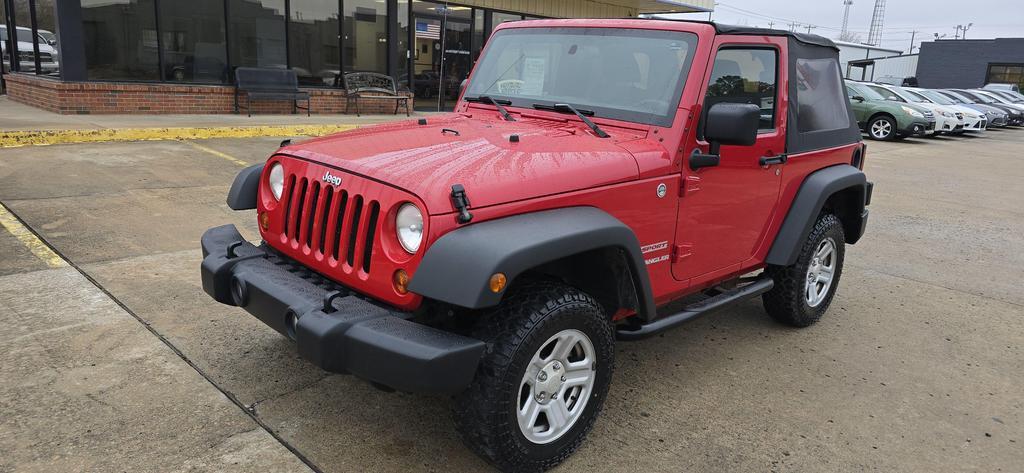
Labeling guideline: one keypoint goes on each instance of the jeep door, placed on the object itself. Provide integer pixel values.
(725, 210)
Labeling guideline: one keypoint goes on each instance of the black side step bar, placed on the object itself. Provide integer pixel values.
(740, 293)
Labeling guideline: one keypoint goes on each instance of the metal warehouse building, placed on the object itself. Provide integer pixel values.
(971, 63)
(178, 56)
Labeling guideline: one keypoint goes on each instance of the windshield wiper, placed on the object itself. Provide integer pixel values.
(497, 104)
(564, 107)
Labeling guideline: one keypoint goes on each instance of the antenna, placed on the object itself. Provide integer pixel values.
(846, 17)
(877, 18)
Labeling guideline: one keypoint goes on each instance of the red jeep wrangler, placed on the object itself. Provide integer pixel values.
(593, 172)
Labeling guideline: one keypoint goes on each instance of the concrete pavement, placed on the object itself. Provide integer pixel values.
(915, 368)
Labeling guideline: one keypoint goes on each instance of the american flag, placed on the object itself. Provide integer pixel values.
(428, 30)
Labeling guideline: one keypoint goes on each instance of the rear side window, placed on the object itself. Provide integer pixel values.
(743, 75)
(819, 96)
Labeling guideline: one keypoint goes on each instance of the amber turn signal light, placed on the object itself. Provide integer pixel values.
(401, 281)
(497, 282)
(265, 221)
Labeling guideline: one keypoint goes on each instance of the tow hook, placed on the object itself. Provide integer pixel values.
(461, 203)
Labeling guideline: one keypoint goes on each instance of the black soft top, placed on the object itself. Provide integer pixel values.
(809, 39)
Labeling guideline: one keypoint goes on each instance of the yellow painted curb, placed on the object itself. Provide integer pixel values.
(29, 239)
(14, 139)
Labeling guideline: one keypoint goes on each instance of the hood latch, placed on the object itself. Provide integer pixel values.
(461, 203)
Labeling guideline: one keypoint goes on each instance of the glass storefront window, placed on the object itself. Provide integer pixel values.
(365, 36)
(120, 39)
(313, 42)
(192, 36)
(500, 18)
(256, 28)
(402, 53)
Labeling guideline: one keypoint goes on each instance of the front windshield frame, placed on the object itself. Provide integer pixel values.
(979, 98)
(911, 96)
(519, 101)
(885, 93)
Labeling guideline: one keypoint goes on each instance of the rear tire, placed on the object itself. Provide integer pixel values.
(882, 128)
(804, 290)
(545, 338)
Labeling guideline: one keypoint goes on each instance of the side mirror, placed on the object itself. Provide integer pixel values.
(727, 124)
(893, 99)
(732, 124)
(857, 98)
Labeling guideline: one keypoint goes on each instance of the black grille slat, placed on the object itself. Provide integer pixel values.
(340, 225)
(357, 212)
(311, 214)
(298, 212)
(288, 191)
(328, 196)
(370, 229)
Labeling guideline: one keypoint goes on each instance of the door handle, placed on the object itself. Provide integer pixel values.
(769, 160)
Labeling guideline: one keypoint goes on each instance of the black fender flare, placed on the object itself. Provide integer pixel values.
(816, 189)
(242, 195)
(457, 268)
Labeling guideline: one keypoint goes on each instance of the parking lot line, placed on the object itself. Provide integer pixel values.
(215, 152)
(29, 239)
(14, 139)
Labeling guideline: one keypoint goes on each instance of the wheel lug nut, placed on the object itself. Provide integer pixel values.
(557, 366)
(563, 379)
(541, 396)
(542, 376)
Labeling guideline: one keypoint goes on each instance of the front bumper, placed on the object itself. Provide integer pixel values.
(919, 128)
(333, 327)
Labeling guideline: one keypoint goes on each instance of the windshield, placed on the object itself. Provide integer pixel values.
(956, 97)
(886, 93)
(910, 96)
(866, 92)
(995, 98)
(936, 97)
(976, 97)
(625, 74)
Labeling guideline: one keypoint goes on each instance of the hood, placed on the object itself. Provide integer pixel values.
(552, 156)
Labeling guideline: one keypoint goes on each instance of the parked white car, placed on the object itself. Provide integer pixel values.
(26, 56)
(974, 120)
(946, 119)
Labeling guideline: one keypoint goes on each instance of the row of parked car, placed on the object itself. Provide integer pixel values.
(889, 112)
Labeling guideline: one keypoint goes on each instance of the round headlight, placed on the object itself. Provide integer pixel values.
(276, 180)
(409, 226)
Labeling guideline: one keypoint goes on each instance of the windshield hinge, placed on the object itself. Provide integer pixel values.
(461, 203)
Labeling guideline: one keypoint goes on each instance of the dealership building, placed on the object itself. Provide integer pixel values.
(179, 56)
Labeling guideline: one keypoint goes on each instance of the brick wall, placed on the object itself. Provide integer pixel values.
(127, 98)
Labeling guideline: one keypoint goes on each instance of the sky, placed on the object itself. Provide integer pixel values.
(990, 18)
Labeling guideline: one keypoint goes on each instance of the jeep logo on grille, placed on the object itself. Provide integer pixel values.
(331, 179)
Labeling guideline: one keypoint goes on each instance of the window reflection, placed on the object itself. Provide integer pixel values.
(193, 41)
(120, 39)
(366, 36)
(313, 41)
(257, 33)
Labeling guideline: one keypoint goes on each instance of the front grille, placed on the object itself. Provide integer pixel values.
(330, 221)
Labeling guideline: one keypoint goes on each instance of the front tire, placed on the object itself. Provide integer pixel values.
(543, 378)
(804, 290)
(882, 128)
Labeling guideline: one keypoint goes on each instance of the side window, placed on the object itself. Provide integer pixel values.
(742, 75)
(819, 96)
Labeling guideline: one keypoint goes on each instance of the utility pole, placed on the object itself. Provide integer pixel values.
(846, 17)
(771, 24)
(793, 26)
(913, 34)
(809, 28)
